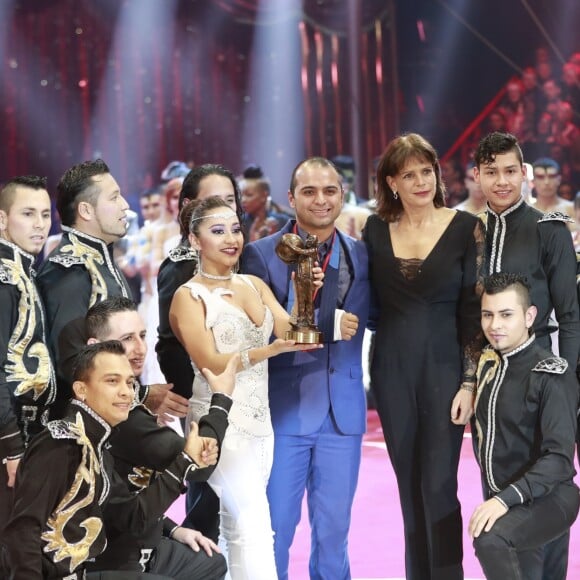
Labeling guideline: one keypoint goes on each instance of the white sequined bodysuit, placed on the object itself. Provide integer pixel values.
(234, 331)
(241, 475)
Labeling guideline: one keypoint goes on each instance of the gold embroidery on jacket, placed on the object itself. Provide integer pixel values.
(490, 358)
(91, 259)
(19, 345)
(72, 503)
(140, 477)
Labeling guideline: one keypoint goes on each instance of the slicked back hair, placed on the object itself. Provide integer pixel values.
(76, 185)
(85, 359)
(98, 316)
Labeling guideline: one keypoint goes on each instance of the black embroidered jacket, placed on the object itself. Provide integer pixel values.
(142, 450)
(64, 484)
(525, 241)
(78, 273)
(525, 416)
(27, 383)
(177, 269)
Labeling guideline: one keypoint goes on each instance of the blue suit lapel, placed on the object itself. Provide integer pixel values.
(328, 300)
(347, 246)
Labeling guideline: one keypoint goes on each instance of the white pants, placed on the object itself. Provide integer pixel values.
(240, 481)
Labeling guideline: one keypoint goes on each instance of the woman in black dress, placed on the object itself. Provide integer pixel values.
(426, 268)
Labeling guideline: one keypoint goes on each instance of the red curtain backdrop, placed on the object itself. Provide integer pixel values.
(82, 79)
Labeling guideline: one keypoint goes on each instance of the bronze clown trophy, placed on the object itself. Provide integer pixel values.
(291, 249)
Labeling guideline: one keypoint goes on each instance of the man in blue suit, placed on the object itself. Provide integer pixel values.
(317, 399)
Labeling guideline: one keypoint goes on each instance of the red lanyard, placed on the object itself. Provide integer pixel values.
(326, 258)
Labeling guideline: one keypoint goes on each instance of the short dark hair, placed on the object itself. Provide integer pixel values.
(98, 316)
(392, 162)
(149, 192)
(318, 162)
(76, 185)
(254, 174)
(85, 359)
(262, 183)
(496, 143)
(546, 163)
(201, 208)
(344, 163)
(502, 281)
(253, 171)
(8, 191)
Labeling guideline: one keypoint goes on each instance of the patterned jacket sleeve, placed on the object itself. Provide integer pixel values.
(135, 513)
(141, 442)
(39, 488)
(11, 442)
(469, 311)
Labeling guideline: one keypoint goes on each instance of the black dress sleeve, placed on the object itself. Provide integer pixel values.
(469, 307)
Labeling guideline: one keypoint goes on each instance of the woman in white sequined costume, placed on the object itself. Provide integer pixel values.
(216, 315)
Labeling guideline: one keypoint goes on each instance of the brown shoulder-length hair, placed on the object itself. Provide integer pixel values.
(392, 162)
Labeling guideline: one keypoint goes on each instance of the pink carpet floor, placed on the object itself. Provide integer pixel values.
(376, 536)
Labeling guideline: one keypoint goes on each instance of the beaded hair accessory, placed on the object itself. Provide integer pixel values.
(225, 215)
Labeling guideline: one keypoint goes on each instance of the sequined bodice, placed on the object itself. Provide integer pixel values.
(234, 331)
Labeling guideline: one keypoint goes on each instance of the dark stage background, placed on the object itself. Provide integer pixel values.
(144, 82)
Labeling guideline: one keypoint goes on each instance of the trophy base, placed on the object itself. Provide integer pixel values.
(305, 336)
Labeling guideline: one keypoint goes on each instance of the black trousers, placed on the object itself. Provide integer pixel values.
(531, 541)
(6, 498)
(172, 561)
(203, 507)
(424, 447)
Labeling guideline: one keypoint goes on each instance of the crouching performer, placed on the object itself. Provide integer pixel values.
(525, 416)
(64, 480)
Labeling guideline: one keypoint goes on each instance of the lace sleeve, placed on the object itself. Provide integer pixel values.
(472, 339)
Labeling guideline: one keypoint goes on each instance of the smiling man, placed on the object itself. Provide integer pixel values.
(519, 238)
(140, 448)
(27, 384)
(525, 417)
(317, 399)
(66, 484)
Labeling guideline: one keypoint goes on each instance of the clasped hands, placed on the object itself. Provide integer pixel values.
(203, 450)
